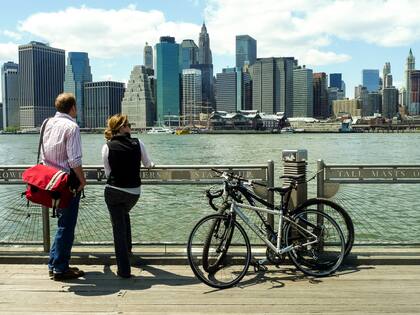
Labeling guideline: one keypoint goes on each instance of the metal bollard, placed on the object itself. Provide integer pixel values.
(294, 163)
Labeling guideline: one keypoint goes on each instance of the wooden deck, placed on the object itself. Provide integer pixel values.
(392, 287)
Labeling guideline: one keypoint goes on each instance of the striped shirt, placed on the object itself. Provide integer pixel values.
(62, 146)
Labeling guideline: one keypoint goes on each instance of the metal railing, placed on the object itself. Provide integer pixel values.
(159, 175)
(380, 217)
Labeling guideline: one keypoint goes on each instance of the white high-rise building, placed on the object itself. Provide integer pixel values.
(138, 102)
(191, 96)
(148, 56)
(409, 66)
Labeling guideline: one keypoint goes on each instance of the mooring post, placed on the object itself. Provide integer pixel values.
(46, 228)
(294, 163)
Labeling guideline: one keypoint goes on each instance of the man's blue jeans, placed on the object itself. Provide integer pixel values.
(60, 251)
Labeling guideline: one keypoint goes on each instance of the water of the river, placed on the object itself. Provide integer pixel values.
(389, 213)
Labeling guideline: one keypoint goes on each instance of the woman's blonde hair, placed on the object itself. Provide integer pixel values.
(114, 124)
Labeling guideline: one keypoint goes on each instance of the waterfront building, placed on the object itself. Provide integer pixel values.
(320, 95)
(302, 92)
(386, 70)
(167, 77)
(410, 65)
(389, 102)
(335, 80)
(102, 100)
(246, 50)
(233, 90)
(370, 79)
(414, 107)
(188, 54)
(361, 93)
(191, 92)
(40, 80)
(76, 75)
(272, 85)
(148, 56)
(10, 95)
(204, 51)
(346, 107)
(138, 102)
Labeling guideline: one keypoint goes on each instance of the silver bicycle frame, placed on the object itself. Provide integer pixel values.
(236, 207)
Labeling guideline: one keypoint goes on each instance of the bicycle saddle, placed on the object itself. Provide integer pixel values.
(281, 190)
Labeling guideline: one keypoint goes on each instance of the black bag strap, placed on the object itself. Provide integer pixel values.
(41, 139)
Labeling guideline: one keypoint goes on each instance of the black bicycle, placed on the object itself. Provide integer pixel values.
(218, 199)
(219, 250)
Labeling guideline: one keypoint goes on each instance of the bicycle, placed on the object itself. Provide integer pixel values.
(247, 189)
(219, 250)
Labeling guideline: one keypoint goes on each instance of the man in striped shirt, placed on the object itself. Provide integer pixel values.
(61, 148)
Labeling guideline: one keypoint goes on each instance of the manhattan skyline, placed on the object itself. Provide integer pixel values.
(326, 36)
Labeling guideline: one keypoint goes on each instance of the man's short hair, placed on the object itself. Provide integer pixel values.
(64, 102)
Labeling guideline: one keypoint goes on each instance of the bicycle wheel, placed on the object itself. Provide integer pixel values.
(220, 245)
(318, 241)
(336, 212)
(219, 238)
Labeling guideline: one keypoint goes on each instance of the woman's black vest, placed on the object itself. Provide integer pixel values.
(124, 158)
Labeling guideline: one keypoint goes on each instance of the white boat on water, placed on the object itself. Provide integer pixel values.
(159, 130)
(287, 130)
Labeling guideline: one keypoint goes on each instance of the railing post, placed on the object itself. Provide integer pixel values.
(46, 228)
(270, 194)
(320, 179)
(294, 163)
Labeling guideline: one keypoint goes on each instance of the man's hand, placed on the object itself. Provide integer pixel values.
(81, 177)
(82, 185)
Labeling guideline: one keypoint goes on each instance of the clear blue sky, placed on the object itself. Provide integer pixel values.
(326, 35)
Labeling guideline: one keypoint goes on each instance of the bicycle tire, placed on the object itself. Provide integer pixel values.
(325, 254)
(222, 230)
(232, 266)
(338, 213)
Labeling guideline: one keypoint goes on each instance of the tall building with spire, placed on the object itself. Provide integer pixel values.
(148, 56)
(204, 52)
(409, 66)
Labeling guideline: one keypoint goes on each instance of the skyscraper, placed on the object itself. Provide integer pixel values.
(138, 102)
(335, 80)
(204, 52)
(370, 79)
(410, 65)
(361, 93)
(167, 76)
(102, 100)
(10, 94)
(233, 90)
(389, 102)
(320, 95)
(272, 85)
(148, 56)
(77, 74)
(188, 54)
(191, 92)
(414, 104)
(385, 72)
(302, 92)
(246, 50)
(41, 79)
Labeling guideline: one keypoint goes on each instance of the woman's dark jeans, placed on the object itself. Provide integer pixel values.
(119, 205)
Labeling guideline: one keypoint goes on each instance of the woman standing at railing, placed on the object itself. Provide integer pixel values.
(122, 156)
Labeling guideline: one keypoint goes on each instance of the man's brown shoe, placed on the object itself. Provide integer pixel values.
(68, 274)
